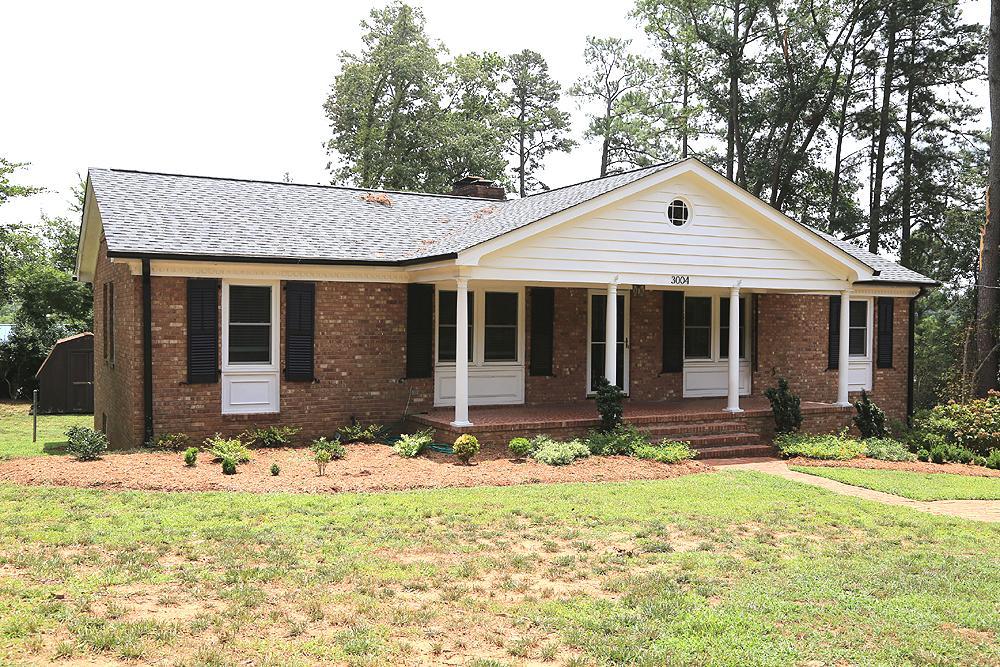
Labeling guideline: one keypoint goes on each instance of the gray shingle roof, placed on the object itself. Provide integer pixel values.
(172, 215)
(889, 271)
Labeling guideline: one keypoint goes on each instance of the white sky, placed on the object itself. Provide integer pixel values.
(235, 88)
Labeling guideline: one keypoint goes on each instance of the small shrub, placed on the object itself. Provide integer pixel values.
(275, 470)
(335, 448)
(520, 447)
(972, 425)
(887, 449)
(174, 442)
(270, 436)
(85, 444)
(359, 433)
(190, 456)
(947, 453)
(465, 447)
(870, 419)
(558, 453)
(622, 440)
(228, 466)
(410, 445)
(227, 448)
(833, 446)
(786, 407)
(322, 458)
(667, 451)
(993, 459)
(610, 404)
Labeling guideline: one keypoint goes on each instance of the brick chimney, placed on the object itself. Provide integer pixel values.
(477, 186)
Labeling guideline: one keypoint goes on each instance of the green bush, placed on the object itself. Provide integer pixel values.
(610, 404)
(465, 447)
(227, 448)
(786, 407)
(622, 440)
(275, 470)
(887, 449)
(520, 447)
(973, 425)
(993, 459)
(832, 446)
(228, 466)
(410, 445)
(667, 451)
(85, 444)
(870, 419)
(270, 436)
(559, 453)
(334, 448)
(948, 453)
(190, 456)
(359, 433)
(322, 458)
(173, 442)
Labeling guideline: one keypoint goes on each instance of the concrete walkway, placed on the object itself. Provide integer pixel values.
(977, 510)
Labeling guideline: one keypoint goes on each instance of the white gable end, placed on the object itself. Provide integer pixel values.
(724, 242)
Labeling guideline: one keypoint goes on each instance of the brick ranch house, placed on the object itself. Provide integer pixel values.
(223, 303)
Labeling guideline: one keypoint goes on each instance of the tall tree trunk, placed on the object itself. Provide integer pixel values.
(522, 158)
(684, 110)
(988, 294)
(907, 213)
(733, 94)
(875, 215)
(606, 144)
(841, 126)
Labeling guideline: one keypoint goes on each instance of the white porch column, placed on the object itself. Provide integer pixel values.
(610, 335)
(462, 353)
(735, 331)
(844, 350)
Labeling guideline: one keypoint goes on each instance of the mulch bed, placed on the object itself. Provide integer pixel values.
(915, 466)
(365, 468)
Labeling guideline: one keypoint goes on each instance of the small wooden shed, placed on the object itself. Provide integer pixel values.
(66, 377)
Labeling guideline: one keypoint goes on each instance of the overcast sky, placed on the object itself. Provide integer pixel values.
(235, 88)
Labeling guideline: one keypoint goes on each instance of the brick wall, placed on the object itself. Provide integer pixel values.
(118, 382)
(569, 354)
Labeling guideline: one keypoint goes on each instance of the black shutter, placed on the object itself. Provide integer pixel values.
(673, 332)
(884, 358)
(419, 330)
(300, 327)
(542, 325)
(833, 352)
(203, 330)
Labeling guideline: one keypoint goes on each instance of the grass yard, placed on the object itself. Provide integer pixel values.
(721, 568)
(15, 431)
(913, 485)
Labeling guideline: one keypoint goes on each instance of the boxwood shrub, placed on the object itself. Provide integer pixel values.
(832, 446)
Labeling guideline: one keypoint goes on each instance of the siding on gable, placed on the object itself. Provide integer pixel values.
(725, 241)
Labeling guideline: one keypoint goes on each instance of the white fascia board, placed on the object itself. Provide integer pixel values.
(89, 243)
(269, 271)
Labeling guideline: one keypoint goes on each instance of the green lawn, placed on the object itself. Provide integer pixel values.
(913, 485)
(727, 568)
(15, 431)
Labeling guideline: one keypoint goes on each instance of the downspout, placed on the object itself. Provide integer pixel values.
(911, 338)
(147, 352)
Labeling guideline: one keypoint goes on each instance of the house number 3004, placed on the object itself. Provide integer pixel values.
(680, 280)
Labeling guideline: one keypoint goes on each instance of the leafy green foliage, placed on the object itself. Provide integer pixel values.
(993, 459)
(560, 453)
(275, 470)
(270, 436)
(466, 446)
(520, 447)
(948, 453)
(786, 407)
(9, 189)
(887, 449)
(869, 419)
(666, 451)
(191, 457)
(622, 440)
(362, 433)
(832, 446)
(322, 458)
(228, 466)
(610, 403)
(410, 445)
(85, 444)
(227, 448)
(172, 442)
(335, 448)
(973, 425)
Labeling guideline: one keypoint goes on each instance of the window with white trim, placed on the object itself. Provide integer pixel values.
(724, 328)
(698, 327)
(500, 328)
(447, 324)
(250, 325)
(494, 316)
(858, 329)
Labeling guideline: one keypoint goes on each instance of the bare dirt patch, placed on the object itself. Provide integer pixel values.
(915, 466)
(365, 468)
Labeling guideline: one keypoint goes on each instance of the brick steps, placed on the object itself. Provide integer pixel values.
(685, 431)
(741, 451)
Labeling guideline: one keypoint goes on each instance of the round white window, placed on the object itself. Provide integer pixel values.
(678, 213)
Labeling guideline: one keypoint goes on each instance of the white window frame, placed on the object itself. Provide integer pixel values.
(590, 343)
(859, 366)
(869, 322)
(715, 351)
(263, 378)
(478, 294)
(275, 286)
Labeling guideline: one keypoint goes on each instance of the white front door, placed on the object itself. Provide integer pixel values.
(596, 335)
